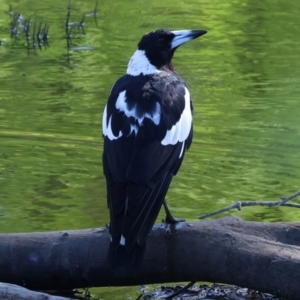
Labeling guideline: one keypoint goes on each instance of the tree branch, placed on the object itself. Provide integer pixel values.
(239, 204)
(260, 256)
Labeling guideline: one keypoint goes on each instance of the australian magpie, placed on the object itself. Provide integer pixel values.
(147, 127)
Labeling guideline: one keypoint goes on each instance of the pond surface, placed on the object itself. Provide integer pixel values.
(244, 77)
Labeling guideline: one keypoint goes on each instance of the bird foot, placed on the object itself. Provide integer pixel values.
(169, 221)
(172, 220)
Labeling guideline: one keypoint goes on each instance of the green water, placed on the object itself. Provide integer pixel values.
(244, 77)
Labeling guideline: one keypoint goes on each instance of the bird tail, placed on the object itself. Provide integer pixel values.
(119, 257)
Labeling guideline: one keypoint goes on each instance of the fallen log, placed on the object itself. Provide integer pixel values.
(260, 256)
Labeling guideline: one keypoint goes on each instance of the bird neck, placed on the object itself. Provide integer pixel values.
(167, 67)
(139, 64)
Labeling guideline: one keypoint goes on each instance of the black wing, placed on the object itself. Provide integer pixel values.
(147, 127)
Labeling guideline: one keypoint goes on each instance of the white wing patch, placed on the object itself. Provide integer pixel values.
(134, 128)
(180, 131)
(106, 129)
(122, 106)
(182, 148)
(139, 64)
(122, 240)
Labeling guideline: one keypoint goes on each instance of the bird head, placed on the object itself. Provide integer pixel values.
(160, 45)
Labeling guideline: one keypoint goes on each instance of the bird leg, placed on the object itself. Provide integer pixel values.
(169, 218)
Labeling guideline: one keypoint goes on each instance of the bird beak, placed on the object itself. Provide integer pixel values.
(183, 36)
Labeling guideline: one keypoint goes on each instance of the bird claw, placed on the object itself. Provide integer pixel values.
(172, 220)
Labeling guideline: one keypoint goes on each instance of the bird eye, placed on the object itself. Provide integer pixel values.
(160, 40)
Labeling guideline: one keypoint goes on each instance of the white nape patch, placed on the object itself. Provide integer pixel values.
(181, 151)
(180, 131)
(181, 37)
(122, 106)
(139, 64)
(122, 240)
(106, 129)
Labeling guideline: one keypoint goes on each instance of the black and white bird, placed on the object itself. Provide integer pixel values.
(147, 127)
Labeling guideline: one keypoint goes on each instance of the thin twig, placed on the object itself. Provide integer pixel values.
(240, 204)
(69, 5)
(286, 199)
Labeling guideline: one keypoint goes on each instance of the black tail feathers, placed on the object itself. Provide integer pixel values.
(119, 258)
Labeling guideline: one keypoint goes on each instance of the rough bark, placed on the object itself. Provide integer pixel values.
(15, 292)
(260, 256)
